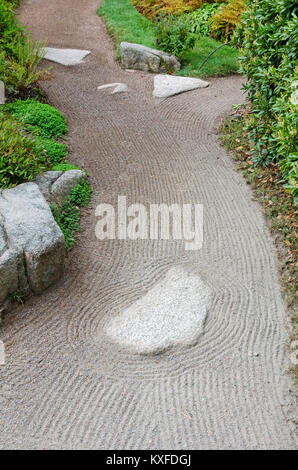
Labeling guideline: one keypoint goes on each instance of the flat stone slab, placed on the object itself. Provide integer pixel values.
(169, 85)
(118, 87)
(171, 314)
(66, 56)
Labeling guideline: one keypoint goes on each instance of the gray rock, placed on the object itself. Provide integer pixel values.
(45, 181)
(168, 85)
(65, 183)
(3, 242)
(33, 234)
(8, 273)
(2, 92)
(171, 314)
(136, 56)
(66, 56)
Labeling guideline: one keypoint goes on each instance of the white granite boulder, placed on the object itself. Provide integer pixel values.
(138, 57)
(170, 315)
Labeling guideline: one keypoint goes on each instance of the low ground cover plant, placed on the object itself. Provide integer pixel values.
(68, 214)
(49, 121)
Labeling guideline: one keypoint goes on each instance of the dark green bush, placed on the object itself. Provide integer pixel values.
(49, 121)
(22, 154)
(56, 151)
(269, 60)
(173, 35)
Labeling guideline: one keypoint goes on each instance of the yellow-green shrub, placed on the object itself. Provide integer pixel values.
(227, 18)
(151, 8)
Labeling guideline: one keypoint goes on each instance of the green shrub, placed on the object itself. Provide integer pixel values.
(56, 151)
(20, 72)
(227, 18)
(11, 32)
(289, 167)
(173, 35)
(49, 121)
(200, 20)
(269, 60)
(22, 155)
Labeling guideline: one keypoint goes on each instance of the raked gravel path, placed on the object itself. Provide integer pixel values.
(66, 383)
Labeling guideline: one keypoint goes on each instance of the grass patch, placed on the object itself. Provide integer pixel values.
(222, 62)
(125, 23)
(278, 206)
(68, 214)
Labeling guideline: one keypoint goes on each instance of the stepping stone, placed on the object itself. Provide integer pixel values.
(66, 56)
(118, 87)
(168, 85)
(171, 314)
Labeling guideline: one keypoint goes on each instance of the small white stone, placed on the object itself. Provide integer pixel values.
(118, 87)
(171, 314)
(168, 85)
(66, 56)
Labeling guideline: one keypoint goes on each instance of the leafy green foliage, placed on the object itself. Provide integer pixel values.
(269, 32)
(289, 167)
(227, 18)
(49, 121)
(22, 154)
(11, 32)
(81, 194)
(200, 20)
(20, 72)
(68, 214)
(19, 55)
(173, 34)
(67, 217)
(55, 151)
